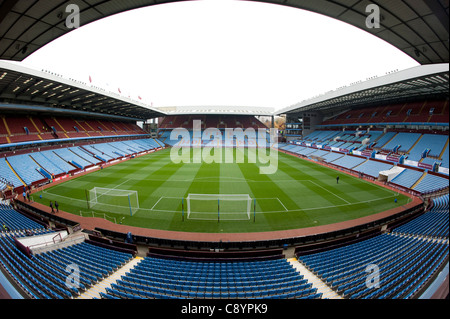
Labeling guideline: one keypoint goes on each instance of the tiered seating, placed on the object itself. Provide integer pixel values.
(44, 276)
(18, 129)
(306, 151)
(40, 165)
(39, 283)
(330, 157)
(348, 161)
(445, 158)
(321, 136)
(95, 263)
(433, 223)
(72, 158)
(404, 265)
(68, 127)
(49, 165)
(8, 174)
(384, 139)
(431, 183)
(79, 151)
(108, 149)
(405, 140)
(318, 153)
(416, 112)
(435, 143)
(407, 178)
(58, 161)
(21, 129)
(373, 168)
(26, 168)
(440, 113)
(15, 221)
(211, 121)
(161, 278)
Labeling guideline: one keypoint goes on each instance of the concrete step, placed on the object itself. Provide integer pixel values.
(94, 291)
(327, 292)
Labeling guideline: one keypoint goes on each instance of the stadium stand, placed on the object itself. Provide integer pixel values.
(213, 121)
(404, 262)
(8, 174)
(16, 129)
(373, 168)
(402, 142)
(16, 222)
(27, 169)
(162, 278)
(445, 158)
(330, 157)
(407, 178)
(431, 183)
(433, 223)
(349, 161)
(432, 142)
(30, 168)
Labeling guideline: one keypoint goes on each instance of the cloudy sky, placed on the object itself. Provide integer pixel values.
(219, 52)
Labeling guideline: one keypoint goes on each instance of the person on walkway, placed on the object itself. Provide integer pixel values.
(56, 206)
(51, 206)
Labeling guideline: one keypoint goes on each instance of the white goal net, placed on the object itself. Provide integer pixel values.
(219, 206)
(113, 200)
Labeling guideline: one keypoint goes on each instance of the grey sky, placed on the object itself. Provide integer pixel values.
(219, 52)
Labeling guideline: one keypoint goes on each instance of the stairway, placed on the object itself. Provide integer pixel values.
(419, 180)
(327, 292)
(94, 291)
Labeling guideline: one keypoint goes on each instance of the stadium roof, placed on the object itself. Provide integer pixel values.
(425, 81)
(218, 110)
(418, 28)
(42, 91)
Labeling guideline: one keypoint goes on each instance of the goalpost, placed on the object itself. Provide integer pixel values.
(113, 200)
(219, 206)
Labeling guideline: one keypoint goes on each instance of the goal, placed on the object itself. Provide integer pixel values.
(218, 206)
(113, 200)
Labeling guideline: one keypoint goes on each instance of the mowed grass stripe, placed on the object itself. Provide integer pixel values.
(309, 191)
(365, 198)
(163, 193)
(351, 189)
(276, 218)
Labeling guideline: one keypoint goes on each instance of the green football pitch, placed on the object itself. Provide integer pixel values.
(300, 194)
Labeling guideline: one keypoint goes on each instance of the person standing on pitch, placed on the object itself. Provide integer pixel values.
(337, 180)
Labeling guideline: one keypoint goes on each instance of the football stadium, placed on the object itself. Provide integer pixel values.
(107, 197)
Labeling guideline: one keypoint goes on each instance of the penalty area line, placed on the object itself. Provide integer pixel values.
(157, 202)
(330, 192)
(282, 204)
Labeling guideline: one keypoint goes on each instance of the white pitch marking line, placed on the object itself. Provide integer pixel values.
(330, 192)
(282, 204)
(157, 202)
